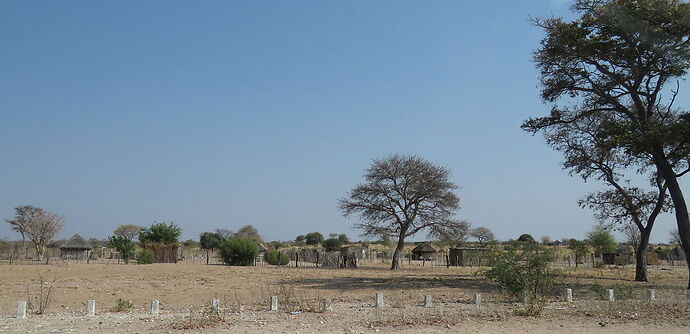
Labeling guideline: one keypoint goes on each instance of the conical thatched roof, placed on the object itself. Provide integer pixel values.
(424, 248)
(76, 242)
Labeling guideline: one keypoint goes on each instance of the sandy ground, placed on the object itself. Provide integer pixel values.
(184, 292)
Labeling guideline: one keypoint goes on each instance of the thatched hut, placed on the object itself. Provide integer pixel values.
(76, 248)
(423, 251)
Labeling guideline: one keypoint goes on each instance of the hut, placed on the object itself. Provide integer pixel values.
(76, 248)
(619, 259)
(463, 256)
(423, 251)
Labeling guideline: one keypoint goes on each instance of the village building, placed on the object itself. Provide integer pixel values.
(76, 248)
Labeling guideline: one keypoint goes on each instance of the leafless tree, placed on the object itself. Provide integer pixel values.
(402, 195)
(249, 232)
(482, 234)
(674, 237)
(128, 231)
(224, 233)
(633, 236)
(453, 235)
(37, 224)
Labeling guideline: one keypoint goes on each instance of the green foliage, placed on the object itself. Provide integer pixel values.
(300, 239)
(314, 238)
(344, 239)
(210, 240)
(128, 231)
(248, 232)
(122, 305)
(238, 251)
(527, 238)
(122, 245)
(620, 292)
(332, 244)
(160, 233)
(145, 256)
(275, 257)
(601, 240)
(527, 270)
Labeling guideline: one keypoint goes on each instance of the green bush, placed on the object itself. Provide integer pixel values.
(275, 257)
(145, 256)
(238, 251)
(123, 246)
(122, 305)
(525, 271)
(332, 244)
(160, 233)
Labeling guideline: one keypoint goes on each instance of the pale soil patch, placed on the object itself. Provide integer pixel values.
(184, 289)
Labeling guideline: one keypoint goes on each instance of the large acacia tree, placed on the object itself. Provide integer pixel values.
(620, 62)
(403, 195)
(39, 225)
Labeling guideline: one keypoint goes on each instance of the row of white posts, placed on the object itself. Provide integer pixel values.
(326, 303)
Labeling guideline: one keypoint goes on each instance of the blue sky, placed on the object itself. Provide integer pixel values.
(219, 114)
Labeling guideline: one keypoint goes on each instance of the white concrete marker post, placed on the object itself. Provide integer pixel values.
(379, 300)
(274, 303)
(326, 305)
(650, 295)
(154, 306)
(90, 307)
(569, 295)
(21, 310)
(609, 295)
(525, 296)
(215, 306)
(427, 301)
(477, 299)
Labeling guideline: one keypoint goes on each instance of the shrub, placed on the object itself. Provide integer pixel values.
(332, 244)
(275, 257)
(160, 233)
(145, 256)
(123, 246)
(122, 305)
(527, 270)
(238, 251)
(313, 238)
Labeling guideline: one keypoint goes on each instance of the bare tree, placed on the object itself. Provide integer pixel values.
(403, 195)
(224, 233)
(482, 234)
(454, 235)
(128, 231)
(674, 237)
(545, 240)
(37, 224)
(249, 232)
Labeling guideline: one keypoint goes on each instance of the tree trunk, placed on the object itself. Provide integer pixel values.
(640, 255)
(398, 250)
(207, 256)
(680, 207)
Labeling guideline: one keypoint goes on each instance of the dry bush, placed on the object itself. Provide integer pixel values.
(291, 299)
(39, 304)
(207, 317)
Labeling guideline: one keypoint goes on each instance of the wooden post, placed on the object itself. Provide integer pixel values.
(296, 260)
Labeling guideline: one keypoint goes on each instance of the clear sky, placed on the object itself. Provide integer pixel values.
(219, 114)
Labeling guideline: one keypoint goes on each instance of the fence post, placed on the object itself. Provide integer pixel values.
(21, 310)
(427, 301)
(651, 296)
(215, 306)
(525, 296)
